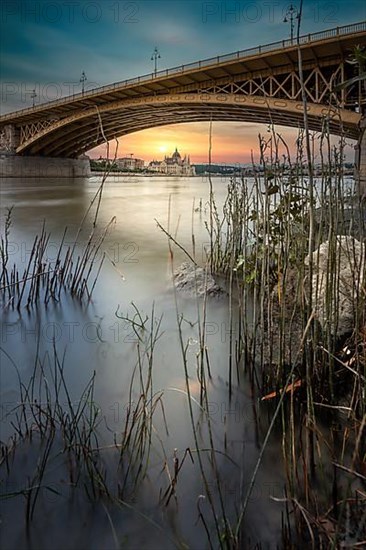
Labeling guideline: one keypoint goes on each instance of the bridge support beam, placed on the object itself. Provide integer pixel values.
(16, 166)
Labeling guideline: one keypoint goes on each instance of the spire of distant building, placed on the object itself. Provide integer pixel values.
(176, 154)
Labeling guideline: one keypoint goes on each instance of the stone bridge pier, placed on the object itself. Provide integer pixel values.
(9, 139)
(19, 166)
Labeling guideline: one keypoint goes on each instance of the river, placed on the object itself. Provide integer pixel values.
(137, 273)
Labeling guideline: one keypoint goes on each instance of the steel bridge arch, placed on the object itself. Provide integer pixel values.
(76, 134)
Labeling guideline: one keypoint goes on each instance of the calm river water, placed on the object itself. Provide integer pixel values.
(93, 339)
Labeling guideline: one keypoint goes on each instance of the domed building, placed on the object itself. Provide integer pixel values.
(176, 156)
(174, 165)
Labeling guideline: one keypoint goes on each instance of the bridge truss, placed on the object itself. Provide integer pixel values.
(260, 87)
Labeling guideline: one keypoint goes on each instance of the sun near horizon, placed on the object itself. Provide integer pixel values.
(189, 138)
(232, 143)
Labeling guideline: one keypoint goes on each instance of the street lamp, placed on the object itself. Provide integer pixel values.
(155, 56)
(83, 79)
(33, 96)
(290, 15)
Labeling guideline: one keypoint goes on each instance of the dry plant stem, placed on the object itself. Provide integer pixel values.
(204, 399)
(189, 400)
(106, 174)
(171, 238)
(37, 283)
(269, 431)
(98, 194)
(309, 363)
(211, 190)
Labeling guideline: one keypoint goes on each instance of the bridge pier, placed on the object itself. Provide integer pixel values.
(16, 166)
(9, 139)
(361, 161)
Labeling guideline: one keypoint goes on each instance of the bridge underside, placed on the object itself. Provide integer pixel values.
(76, 134)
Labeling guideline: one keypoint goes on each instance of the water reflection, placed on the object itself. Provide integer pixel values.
(94, 339)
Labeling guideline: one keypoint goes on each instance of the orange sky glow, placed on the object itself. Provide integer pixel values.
(231, 142)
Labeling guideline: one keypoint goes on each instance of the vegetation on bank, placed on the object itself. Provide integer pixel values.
(110, 166)
(307, 382)
(312, 378)
(223, 170)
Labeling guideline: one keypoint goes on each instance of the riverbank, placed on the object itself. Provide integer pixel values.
(138, 174)
(157, 398)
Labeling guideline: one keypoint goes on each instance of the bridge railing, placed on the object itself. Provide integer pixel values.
(321, 35)
(181, 69)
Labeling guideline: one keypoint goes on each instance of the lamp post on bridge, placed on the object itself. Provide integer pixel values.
(83, 79)
(155, 56)
(290, 16)
(33, 96)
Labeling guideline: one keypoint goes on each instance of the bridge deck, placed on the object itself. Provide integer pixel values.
(275, 58)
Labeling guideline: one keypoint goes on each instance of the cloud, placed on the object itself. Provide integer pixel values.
(40, 50)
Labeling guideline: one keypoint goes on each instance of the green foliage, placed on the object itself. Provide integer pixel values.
(280, 229)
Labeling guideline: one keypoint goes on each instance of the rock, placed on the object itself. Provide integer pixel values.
(337, 283)
(351, 221)
(283, 323)
(195, 281)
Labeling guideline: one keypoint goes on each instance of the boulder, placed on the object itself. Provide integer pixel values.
(195, 281)
(338, 283)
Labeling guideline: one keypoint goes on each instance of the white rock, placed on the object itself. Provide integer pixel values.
(338, 282)
(195, 280)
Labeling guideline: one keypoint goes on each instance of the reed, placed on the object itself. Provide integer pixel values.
(308, 383)
(43, 279)
(266, 242)
(68, 433)
(264, 232)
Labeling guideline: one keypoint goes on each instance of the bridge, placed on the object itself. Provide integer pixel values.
(260, 85)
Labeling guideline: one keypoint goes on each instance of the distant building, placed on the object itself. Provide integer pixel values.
(174, 165)
(129, 163)
(155, 166)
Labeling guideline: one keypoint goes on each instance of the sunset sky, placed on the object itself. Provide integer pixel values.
(231, 143)
(46, 44)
